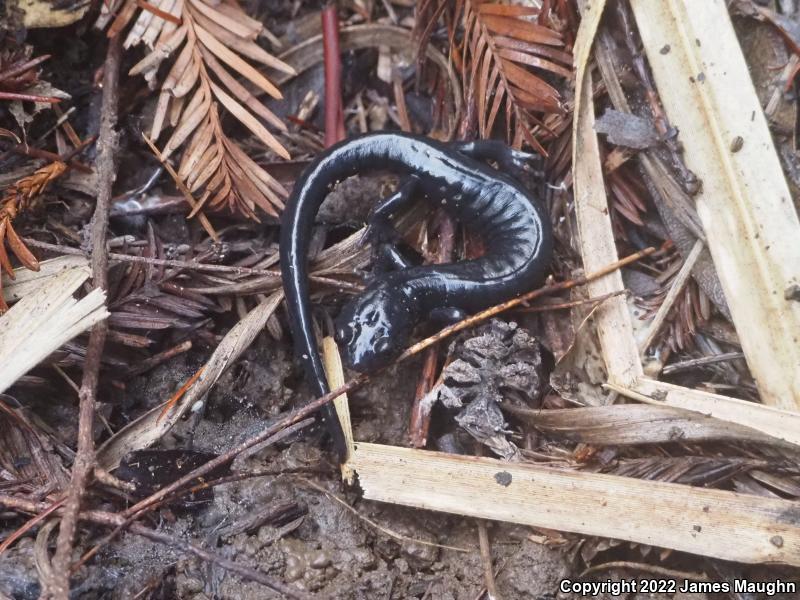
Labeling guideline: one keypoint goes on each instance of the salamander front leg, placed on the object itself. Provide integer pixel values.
(512, 161)
(389, 258)
(379, 228)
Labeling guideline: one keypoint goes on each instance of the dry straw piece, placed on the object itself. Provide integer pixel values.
(46, 319)
(721, 524)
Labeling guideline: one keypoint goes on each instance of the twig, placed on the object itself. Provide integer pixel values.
(63, 121)
(571, 303)
(274, 432)
(20, 67)
(186, 265)
(68, 380)
(107, 479)
(669, 190)
(30, 524)
(58, 587)
(158, 262)
(486, 559)
(699, 362)
(229, 565)
(385, 530)
(690, 182)
(101, 475)
(169, 17)
(334, 115)
(200, 486)
(497, 571)
(179, 183)
(27, 150)
(169, 404)
(420, 421)
(400, 101)
(113, 520)
(543, 291)
(390, 11)
(310, 408)
(157, 359)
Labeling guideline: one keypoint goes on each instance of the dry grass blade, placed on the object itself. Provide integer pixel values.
(624, 425)
(506, 54)
(209, 49)
(148, 428)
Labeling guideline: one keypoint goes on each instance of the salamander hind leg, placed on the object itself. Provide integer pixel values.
(379, 228)
(509, 160)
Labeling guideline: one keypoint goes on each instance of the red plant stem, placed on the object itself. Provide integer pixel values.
(39, 153)
(334, 114)
(21, 68)
(29, 97)
(420, 422)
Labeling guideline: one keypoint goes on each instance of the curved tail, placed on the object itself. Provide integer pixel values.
(297, 222)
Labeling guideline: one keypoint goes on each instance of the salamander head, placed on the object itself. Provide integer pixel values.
(374, 328)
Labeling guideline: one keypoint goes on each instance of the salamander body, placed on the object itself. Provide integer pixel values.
(375, 326)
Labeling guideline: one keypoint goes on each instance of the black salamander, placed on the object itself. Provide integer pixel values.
(375, 327)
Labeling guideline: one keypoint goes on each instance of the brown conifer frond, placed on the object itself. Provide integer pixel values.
(503, 46)
(505, 51)
(210, 50)
(16, 200)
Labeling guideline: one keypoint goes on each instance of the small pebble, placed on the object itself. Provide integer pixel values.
(503, 478)
(320, 560)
